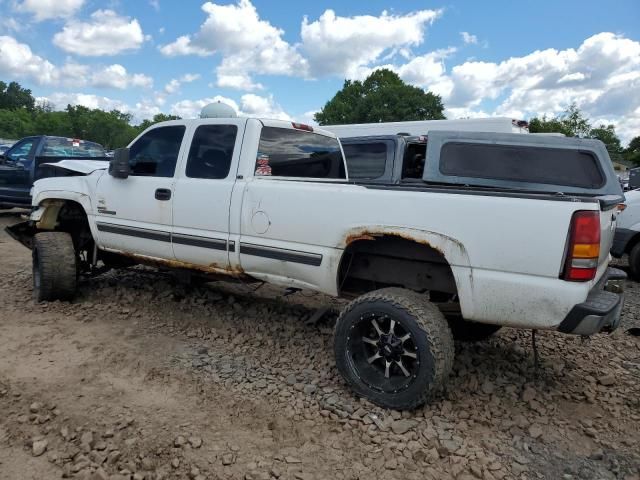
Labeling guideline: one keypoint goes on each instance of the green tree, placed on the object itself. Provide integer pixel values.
(632, 152)
(15, 124)
(571, 122)
(607, 135)
(381, 97)
(548, 125)
(112, 129)
(160, 117)
(14, 97)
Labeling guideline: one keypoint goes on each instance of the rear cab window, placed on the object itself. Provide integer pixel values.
(285, 152)
(365, 161)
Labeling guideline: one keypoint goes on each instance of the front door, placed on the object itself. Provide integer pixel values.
(135, 214)
(15, 172)
(203, 194)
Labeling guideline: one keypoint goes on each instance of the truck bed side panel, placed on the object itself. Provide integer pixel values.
(505, 253)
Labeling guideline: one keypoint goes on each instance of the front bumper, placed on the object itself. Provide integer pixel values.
(602, 309)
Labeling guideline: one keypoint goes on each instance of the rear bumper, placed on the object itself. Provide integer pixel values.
(602, 309)
(621, 240)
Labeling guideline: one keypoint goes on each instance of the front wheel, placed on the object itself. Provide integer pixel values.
(55, 270)
(394, 348)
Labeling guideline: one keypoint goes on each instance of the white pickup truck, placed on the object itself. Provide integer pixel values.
(495, 230)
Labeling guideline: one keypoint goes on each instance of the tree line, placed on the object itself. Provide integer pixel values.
(21, 116)
(382, 97)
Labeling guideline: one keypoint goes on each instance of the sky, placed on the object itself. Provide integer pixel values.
(285, 59)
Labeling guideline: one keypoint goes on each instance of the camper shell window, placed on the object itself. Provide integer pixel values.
(519, 163)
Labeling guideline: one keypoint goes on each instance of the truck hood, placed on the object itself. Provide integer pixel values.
(85, 167)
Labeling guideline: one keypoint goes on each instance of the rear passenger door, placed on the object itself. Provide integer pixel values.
(203, 194)
(288, 208)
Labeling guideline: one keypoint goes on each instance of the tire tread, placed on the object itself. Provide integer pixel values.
(435, 326)
(58, 266)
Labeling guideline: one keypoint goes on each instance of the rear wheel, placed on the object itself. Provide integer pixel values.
(394, 348)
(55, 271)
(634, 262)
(467, 331)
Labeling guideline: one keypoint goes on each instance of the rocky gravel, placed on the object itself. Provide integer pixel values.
(142, 377)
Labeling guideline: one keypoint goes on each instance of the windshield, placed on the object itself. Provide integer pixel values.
(70, 147)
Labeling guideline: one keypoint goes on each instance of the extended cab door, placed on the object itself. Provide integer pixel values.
(203, 192)
(292, 196)
(134, 214)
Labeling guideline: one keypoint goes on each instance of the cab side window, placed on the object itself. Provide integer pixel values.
(20, 150)
(155, 154)
(211, 151)
(285, 152)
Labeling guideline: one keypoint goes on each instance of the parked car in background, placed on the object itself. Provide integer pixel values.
(627, 237)
(385, 158)
(25, 162)
(494, 229)
(422, 127)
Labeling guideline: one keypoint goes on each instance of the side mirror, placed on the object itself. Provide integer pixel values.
(119, 164)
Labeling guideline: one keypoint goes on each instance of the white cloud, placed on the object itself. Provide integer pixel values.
(192, 108)
(173, 86)
(47, 9)
(251, 105)
(107, 33)
(139, 111)
(247, 44)
(468, 38)
(116, 76)
(256, 106)
(11, 25)
(602, 76)
(427, 71)
(18, 61)
(331, 45)
(337, 45)
(183, 46)
(60, 100)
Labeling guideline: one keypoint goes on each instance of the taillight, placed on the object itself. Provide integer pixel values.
(584, 246)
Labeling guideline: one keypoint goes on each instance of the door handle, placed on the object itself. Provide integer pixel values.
(163, 194)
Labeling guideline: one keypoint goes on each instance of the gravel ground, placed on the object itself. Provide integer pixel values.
(144, 378)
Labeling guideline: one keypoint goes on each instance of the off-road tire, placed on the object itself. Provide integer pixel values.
(55, 271)
(634, 262)
(466, 331)
(430, 333)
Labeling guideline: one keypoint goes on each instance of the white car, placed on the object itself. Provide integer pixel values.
(627, 237)
(497, 230)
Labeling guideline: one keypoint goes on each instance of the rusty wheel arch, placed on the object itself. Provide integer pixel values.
(374, 258)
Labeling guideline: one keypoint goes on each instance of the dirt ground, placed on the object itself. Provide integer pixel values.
(144, 378)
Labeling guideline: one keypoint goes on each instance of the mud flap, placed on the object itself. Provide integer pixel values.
(23, 232)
